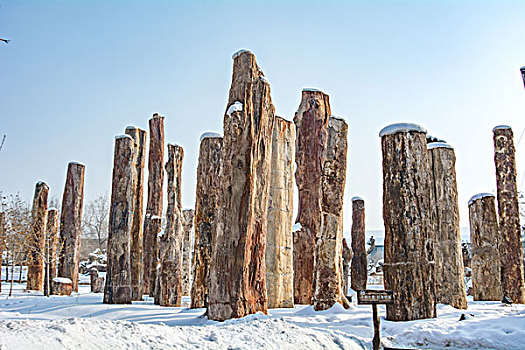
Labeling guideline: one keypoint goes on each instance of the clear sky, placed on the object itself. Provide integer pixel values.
(76, 73)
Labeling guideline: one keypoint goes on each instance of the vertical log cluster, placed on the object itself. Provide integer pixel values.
(359, 263)
(71, 223)
(279, 240)
(52, 241)
(187, 248)
(484, 235)
(37, 238)
(237, 278)
(511, 253)
(206, 205)
(409, 255)
(311, 120)
(449, 269)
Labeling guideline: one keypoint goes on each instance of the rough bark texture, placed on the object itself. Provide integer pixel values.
(449, 269)
(509, 243)
(118, 277)
(409, 255)
(207, 196)
(37, 238)
(311, 121)
(238, 272)
(96, 282)
(187, 248)
(347, 260)
(155, 225)
(279, 240)
(359, 263)
(154, 205)
(137, 266)
(170, 245)
(71, 223)
(486, 263)
(329, 245)
(51, 246)
(2, 241)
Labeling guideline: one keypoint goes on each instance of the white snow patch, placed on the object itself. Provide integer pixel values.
(337, 117)
(52, 208)
(433, 145)
(77, 163)
(123, 136)
(174, 144)
(156, 217)
(62, 280)
(312, 90)
(238, 53)
(235, 107)
(132, 127)
(209, 135)
(479, 196)
(357, 198)
(501, 127)
(263, 78)
(296, 227)
(401, 127)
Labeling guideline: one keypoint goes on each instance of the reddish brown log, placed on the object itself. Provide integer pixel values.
(52, 240)
(155, 225)
(238, 272)
(187, 230)
(359, 263)
(37, 238)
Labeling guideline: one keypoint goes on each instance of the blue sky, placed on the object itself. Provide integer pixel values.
(78, 72)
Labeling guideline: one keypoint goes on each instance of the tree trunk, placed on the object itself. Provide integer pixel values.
(51, 248)
(279, 241)
(187, 230)
(155, 225)
(118, 276)
(37, 238)
(409, 255)
(509, 243)
(238, 272)
(359, 262)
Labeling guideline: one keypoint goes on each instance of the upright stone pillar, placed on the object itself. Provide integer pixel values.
(52, 241)
(137, 268)
(311, 122)
(329, 245)
(154, 205)
(37, 238)
(71, 223)
(206, 204)
(347, 261)
(118, 276)
(484, 235)
(279, 240)
(450, 272)
(409, 255)
(238, 271)
(359, 262)
(511, 253)
(187, 248)
(170, 248)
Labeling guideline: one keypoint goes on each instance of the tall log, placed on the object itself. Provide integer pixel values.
(137, 266)
(155, 195)
(118, 277)
(37, 238)
(511, 251)
(71, 223)
(206, 204)
(347, 261)
(484, 235)
(449, 269)
(329, 245)
(311, 122)
(409, 249)
(155, 226)
(279, 240)
(187, 248)
(170, 245)
(52, 241)
(2, 243)
(238, 272)
(359, 262)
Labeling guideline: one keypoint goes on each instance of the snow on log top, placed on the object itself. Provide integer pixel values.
(132, 127)
(357, 198)
(52, 208)
(156, 217)
(123, 136)
(62, 280)
(77, 163)
(501, 127)
(210, 135)
(337, 117)
(401, 127)
(238, 53)
(433, 145)
(235, 107)
(479, 196)
(174, 144)
(312, 90)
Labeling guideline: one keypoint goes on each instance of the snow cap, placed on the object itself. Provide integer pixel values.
(433, 145)
(123, 136)
(337, 117)
(210, 135)
(312, 90)
(52, 208)
(62, 280)
(238, 53)
(77, 163)
(479, 196)
(401, 127)
(501, 127)
(357, 198)
(235, 107)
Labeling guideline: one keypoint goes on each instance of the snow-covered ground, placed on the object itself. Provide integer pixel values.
(82, 321)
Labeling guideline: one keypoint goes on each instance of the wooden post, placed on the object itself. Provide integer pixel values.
(37, 238)
(52, 241)
(374, 297)
(377, 328)
(359, 263)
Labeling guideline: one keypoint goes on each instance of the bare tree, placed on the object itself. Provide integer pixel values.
(95, 220)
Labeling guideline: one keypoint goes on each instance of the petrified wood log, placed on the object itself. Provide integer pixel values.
(409, 255)
(2, 241)
(118, 276)
(52, 240)
(71, 223)
(238, 272)
(484, 234)
(329, 244)
(96, 281)
(154, 205)
(170, 245)
(359, 262)
(509, 242)
(155, 225)
(279, 240)
(207, 196)
(347, 261)
(311, 122)
(137, 267)
(449, 269)
(37, 238)
(187, 248)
